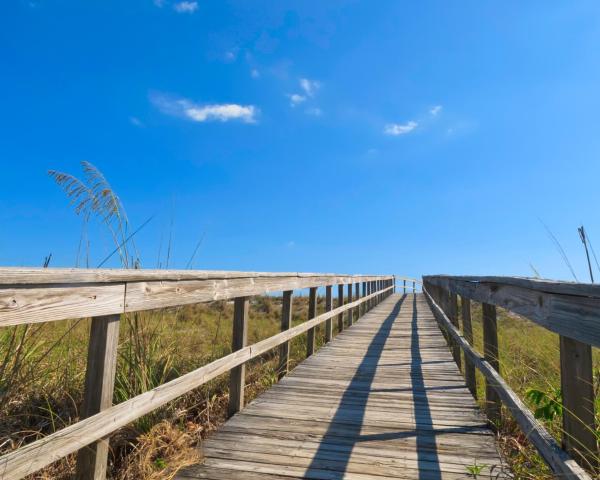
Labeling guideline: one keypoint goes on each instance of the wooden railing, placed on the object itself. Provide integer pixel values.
(43, 295)
(572, 311)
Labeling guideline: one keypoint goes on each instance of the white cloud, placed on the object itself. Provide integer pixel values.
(136, 122)
(254, 73)
(398, 129)
(185, 7)
(296, 99)
(159, 3)
(181, 107)
(290, 244)
(309, 86)
(316, 111)
(435, 110)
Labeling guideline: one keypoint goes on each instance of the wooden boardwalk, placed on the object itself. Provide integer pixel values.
(383, 400)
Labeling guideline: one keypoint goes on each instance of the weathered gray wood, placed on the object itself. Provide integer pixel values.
(340, 297)
(98, 393)
(33, 303)
(38, 454)
(404, 286)
(470, 377)
(490, 351)
(328, 308)
(577, 386)
(414, 287)
(573, 316)
(286, 324)
(453, 316)
(312, 313)
(363, 306)
(237, 379)
(559, 460)
(370, 405)
(357, 297)
(350, 314)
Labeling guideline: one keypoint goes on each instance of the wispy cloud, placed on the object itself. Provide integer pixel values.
(436, 110)
(315, 111)
(185, 7)
(136, 122)
(296, 99)
(254, 73)
(184, 108)
(396, 129)
(310, 87)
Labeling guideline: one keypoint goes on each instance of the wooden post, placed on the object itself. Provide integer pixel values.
(237, 377)
(577, 385)
(356, 297)
(286, 323)
(470, 377)
(98, 393)
(490, 353)
(350, 312)
(328, 308)
(340, 303)
(414, 287)
(453, 316)
(312, 313)
(404, 285)
(363, 305)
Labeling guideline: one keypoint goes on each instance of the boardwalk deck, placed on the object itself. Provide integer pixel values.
(383, 400)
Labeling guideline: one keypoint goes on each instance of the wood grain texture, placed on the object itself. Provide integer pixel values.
(98, 393)
(470, 377)
(340, 302)
(38, 454)
(577, 386)
(559, 460)
(312, 313)
(58, 299)
(490, 353)
(286, 324)
(239, 337)
(572, 315)
(328, 308)
(383, 400)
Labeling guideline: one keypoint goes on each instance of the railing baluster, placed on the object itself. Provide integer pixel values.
(577, 386)
(350, 318)
(286, 323)
(312, 313)
(404, 286)
(328, 308)
(363, 306)
(490, 353)
(98, 393)
(239, 338)
(356, 297)
(470, 377)
(340, 317)
(453, 316)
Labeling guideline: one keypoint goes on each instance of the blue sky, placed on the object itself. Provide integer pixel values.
(339, 136)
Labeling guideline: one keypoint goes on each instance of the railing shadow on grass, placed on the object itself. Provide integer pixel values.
(344, 432)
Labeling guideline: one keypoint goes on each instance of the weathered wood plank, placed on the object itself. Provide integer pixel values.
(312, 313)
(286, 324)
(98, 392)
(560, 462)
(237, 376)
(470, 377)
(328, 308)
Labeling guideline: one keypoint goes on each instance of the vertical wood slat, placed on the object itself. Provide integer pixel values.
(470, 377)
(453, 316)
(490, 353)
(404, 286)
(363, 307)
(312, 313)
(237, 376)
(350, 310)
(286, 323)
(414, 287)
(356, 297)
(577, 386)
(328, 308)
(340, 317)
(98, 393)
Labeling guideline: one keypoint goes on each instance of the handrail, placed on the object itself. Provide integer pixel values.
(188, 287)
(569, 309)
(43, 295)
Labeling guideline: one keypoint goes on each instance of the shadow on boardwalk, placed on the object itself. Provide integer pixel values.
(355, 398)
